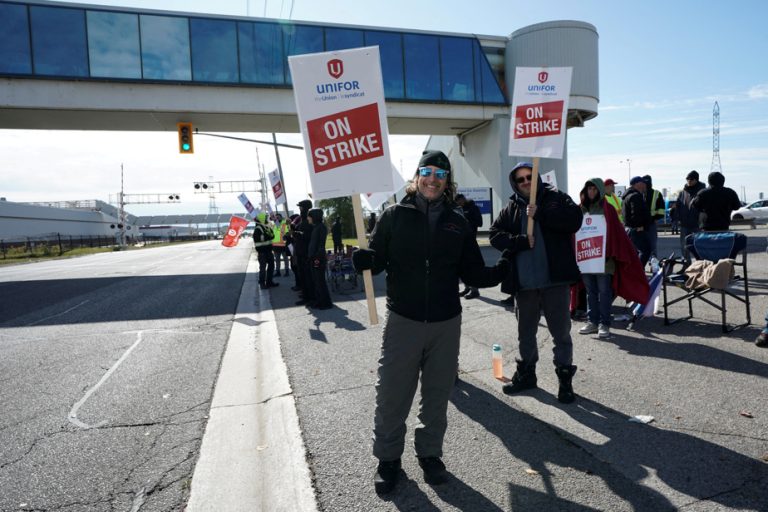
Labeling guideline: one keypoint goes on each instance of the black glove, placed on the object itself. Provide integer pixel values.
(519, 243)
(362, 259)
(508, 254)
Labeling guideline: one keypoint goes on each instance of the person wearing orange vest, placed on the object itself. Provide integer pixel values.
(611, 198)
(278, 244)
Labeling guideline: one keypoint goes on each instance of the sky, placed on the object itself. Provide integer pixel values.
(662, 66)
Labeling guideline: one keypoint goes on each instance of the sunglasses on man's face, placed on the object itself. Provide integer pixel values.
(440, 174)
(523, 179)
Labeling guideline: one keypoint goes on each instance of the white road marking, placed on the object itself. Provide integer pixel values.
(57, 314)
(73, 413)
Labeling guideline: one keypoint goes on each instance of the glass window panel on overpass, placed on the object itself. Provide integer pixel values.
(391, 52)
(165, 47)
(214, 50)
(491, 92)
(261, 53)
(422, 67)
(14, 39)
(58, 41)
(301, 39)
(113, 44)
(458, 72)
(342, 39)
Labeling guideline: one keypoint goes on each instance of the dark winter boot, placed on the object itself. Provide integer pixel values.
(524, 378)
(565, 376)
(386, 476)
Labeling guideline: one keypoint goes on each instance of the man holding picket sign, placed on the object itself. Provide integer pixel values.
(537, 226)
(425, 245)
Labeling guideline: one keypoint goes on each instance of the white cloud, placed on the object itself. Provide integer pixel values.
(758, 92)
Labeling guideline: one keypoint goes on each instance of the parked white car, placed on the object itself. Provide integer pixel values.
(757, 210)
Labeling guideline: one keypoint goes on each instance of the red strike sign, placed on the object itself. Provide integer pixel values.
(277, 189)
(538, 119)
(345, 137)
(589, 248)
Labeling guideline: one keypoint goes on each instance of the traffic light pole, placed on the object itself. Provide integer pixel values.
(275, 144)
(280, 173)
(122, 209)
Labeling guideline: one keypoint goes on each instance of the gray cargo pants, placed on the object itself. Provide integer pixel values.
(554, 301)
(411, 348)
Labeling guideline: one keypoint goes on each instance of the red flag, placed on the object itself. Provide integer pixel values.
(236, 228)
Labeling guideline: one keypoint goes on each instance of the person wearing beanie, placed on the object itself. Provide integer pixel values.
(656, 207)
(715, 204)
(318, 260)
(543, 269)
(637, 217)
(425, 245)
(687, 215)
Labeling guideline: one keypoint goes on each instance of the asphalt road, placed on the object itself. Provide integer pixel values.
(701, 452)
(107, 368)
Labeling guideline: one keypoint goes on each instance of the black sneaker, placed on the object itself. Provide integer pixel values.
(464, 292)
(473, 294)
(762, 340)
(434, 470)
(386, 476)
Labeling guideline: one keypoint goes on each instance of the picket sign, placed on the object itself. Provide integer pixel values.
(538, 117)
(342, 115)
(357, 208)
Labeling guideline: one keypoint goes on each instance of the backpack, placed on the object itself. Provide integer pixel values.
(262, 233)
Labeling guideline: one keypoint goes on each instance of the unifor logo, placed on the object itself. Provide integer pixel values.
(335, 68)
(589, 221)
(542, 76)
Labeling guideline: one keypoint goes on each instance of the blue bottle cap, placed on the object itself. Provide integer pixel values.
(496, 347)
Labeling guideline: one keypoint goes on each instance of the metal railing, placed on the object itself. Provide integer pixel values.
(57, 244)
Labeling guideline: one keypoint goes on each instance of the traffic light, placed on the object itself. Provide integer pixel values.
(186, 146)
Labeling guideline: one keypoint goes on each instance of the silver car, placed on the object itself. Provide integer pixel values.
(757, 210)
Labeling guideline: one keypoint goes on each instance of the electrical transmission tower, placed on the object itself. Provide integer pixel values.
(716, 140)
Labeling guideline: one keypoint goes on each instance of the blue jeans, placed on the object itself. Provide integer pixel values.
(599, 298)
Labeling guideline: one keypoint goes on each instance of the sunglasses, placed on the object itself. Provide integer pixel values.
(523, 179)
(440, 174)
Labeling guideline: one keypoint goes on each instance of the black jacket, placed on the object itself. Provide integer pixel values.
(473, 215)
(636, 213)
(687, 214)
(715, 204)
(424, 265)
(558, 217)
(336, 232)
(301, 238)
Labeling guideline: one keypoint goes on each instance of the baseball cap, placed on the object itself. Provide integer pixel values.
(609, 181)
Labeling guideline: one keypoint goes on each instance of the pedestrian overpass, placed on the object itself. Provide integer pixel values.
(75, 67)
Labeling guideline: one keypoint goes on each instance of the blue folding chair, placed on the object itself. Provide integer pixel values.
(712, 246)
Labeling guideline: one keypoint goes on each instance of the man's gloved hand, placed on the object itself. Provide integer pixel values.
(362, 259)
(519, 243)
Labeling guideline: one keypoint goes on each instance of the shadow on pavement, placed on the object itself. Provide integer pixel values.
(694, 467)
(693, 353)
(113, 299)
(519, 433)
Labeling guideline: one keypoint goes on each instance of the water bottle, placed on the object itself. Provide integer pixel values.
(654, 264)
(497, 365)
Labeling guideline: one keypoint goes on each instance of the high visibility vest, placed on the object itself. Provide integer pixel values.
(279, 232)
(657, 211)
(615, 201)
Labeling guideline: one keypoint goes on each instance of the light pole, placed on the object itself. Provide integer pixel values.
(629, 169)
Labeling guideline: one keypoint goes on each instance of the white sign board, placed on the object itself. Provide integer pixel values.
(550, 179)
(340, 103)
(539, 112)
(590, 244)
(277, 187)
